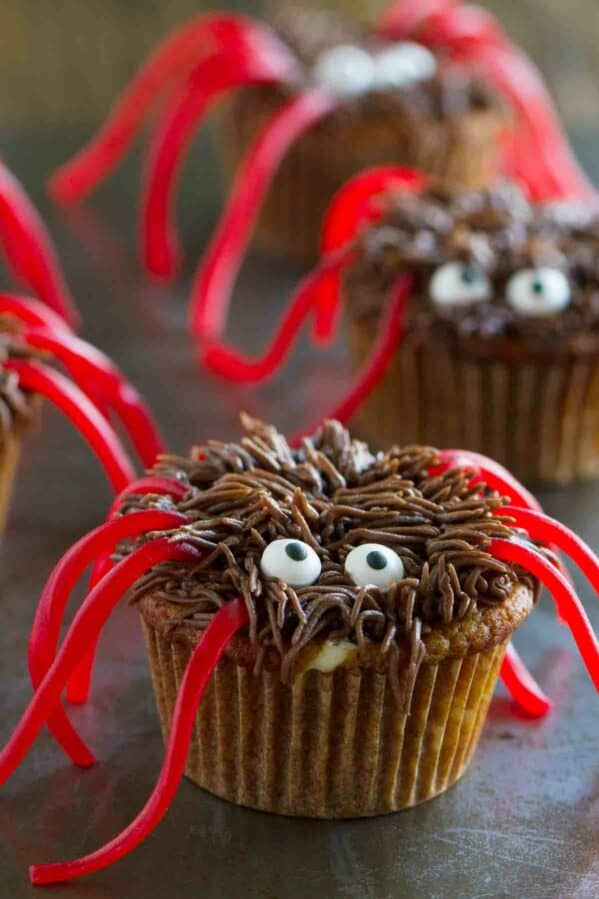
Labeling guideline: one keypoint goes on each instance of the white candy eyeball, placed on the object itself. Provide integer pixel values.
(538, 292)
(402, 65)
(459, 284)
(291, 561)
(374, 565)
(345, 70)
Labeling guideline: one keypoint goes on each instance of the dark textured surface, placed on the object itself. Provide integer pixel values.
(523, 823)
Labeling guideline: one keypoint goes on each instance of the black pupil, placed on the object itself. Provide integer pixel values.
(376, 560)
(468, 275)
(537, 286)
(296, 551)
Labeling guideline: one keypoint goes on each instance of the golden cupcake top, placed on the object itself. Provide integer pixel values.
(331, 543)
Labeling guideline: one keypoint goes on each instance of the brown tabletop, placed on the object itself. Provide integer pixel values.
(524, 822)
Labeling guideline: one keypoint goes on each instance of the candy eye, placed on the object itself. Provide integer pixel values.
(459, 284)
(402, 65)
(345, 70)
(538, 292)
(374, 565)
(291, 561)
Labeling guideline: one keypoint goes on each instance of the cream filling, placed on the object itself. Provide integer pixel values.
(332, 654)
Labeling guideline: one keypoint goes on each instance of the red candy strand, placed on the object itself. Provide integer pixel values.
(99, 377)
(212, 79)
(352, 208)
(85, 628)
(569, 607)
(373, 370)
(29, 250)
(522, 686)
(174, 59)
(214, 280)
(227, 362)
(49, 615)
(78, 687)
(225, 624)
(32, 312)
(82, 413)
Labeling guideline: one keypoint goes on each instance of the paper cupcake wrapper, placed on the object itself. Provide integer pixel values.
(539, 419)
(324, 158)
(330, 745)
(9, 458)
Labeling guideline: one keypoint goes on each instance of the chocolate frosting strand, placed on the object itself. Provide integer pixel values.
(333, 494)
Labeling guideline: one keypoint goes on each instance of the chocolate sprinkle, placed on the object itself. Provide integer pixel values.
(333, 494)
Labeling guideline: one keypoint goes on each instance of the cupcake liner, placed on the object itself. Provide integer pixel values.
(329, 154)
(9, 459)
(329, 745)
(539, 418)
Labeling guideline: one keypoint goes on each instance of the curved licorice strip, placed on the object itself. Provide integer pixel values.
(375, 366)
(182, 117)
(78, 687)
(85, 628)
(225, 624)
(180, 52)
(32, 312)
(214, 279)
(569, 607)
(539, 152)
(29, 249)
(98, 376)
(233, 365)
(45, 631)
(522, 686)
(353, 207)
(82, 413)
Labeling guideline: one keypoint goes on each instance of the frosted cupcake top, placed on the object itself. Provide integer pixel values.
(330, 542)
(351, 61)
(488, 266)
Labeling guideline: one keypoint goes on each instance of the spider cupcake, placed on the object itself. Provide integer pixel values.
(473, 315)
(345, 613)
(435, 85)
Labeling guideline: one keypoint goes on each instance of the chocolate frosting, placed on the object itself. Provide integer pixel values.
(334, 495)
(446, 97)
(500, 233)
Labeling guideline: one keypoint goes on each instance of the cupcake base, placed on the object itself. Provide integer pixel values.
(9, 459)
(334, 745)
(346, 142)
(538, 418)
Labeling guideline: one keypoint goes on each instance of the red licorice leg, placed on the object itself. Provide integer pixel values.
(29, 249)
(568, 605)
(543, 157)
(32, 312)
(352, 208)
(386, 344)
(522, 686)
(82, 414)
(547, 530)
(207, 84)
(100, 379)
(204, 659)
(211, 291)
(174, 58)
(49, 615)
(86, 626)
(226, 361)
(78, 687)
